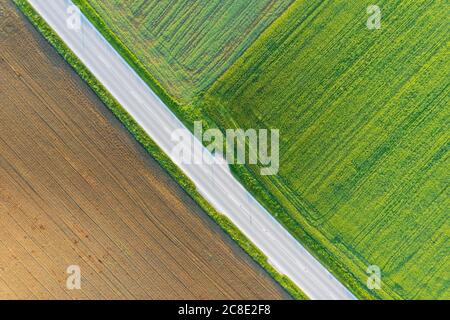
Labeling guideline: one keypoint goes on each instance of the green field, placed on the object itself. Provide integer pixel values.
(363, 117)
(187, 44)
(364, 122)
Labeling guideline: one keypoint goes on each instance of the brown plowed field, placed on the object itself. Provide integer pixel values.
(76, 189)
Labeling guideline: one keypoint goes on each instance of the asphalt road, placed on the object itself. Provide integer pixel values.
(213, 181)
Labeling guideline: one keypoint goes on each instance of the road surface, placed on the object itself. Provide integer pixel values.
(213, 181)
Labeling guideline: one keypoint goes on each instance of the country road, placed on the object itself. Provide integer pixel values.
(213, 181)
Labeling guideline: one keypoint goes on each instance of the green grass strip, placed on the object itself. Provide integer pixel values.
(142, 137)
